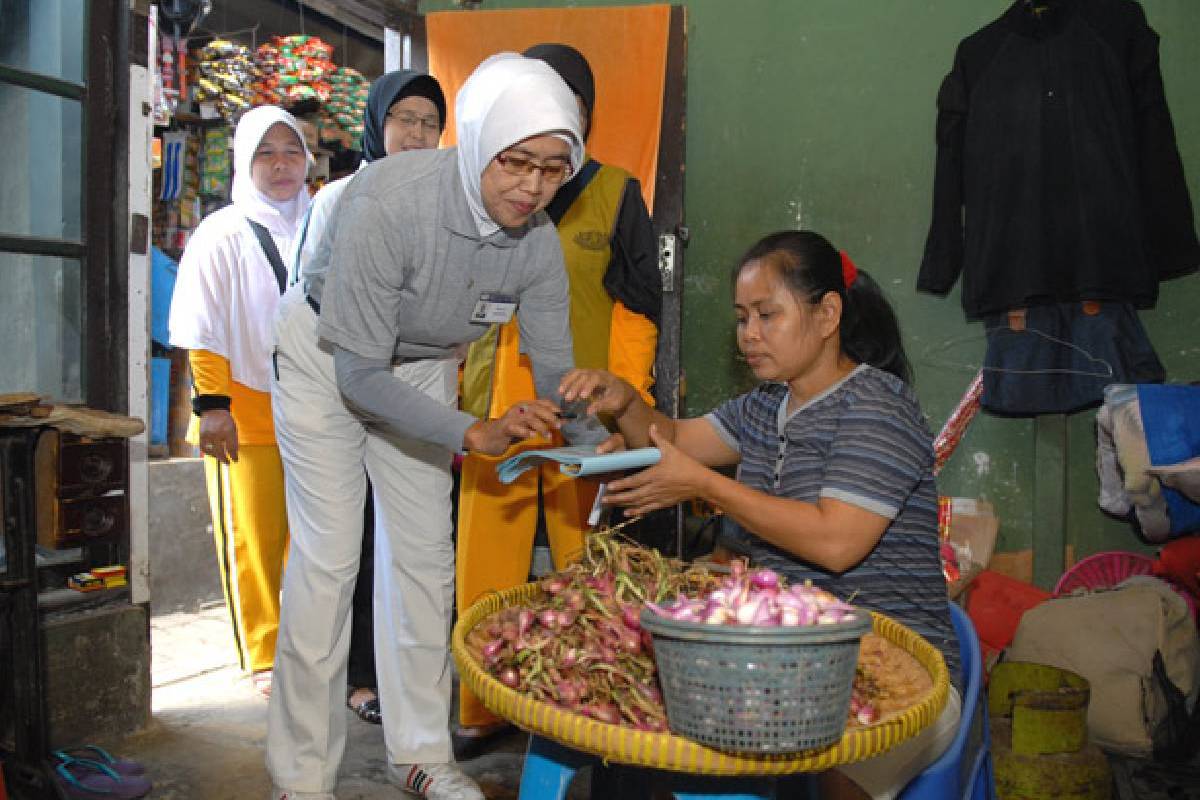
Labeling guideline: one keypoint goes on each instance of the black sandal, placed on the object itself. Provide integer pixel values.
(367, 710)
(469, 746)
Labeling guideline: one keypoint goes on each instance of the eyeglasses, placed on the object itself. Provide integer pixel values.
(519, 166)
(407, 119)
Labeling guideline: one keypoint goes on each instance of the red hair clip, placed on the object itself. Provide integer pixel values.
(849, 271)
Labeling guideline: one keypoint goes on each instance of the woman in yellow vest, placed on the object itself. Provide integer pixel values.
(616, 298)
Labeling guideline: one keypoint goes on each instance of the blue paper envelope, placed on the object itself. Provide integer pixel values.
(578, 461)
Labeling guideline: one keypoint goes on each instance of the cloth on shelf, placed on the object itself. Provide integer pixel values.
(1139, 430)
(1056, 359)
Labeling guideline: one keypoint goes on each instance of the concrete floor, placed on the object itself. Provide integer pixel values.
(208, 730)
(209, 727)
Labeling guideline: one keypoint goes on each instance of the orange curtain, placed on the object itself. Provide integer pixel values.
(626, 47)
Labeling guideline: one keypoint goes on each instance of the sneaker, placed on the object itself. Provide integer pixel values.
(437, 782)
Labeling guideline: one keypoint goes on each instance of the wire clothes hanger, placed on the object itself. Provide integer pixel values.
(930, 355)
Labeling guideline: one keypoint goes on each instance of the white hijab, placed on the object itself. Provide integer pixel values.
(279, 217)
(506, 99)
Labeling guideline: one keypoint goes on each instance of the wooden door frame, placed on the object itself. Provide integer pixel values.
(668, 218)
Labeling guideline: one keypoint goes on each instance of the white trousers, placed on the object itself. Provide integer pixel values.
(884, 776)
(327, 453)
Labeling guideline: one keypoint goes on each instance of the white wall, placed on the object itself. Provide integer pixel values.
(141, 132)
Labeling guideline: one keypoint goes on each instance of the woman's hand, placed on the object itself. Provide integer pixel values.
(218, 435)
(613, 444)
(523, 421)
(606, 393)
(676, 477)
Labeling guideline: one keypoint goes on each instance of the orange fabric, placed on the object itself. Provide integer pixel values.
(631, 348)
(497, 526)
(629, 76)
(211, 373)
(251, 409)
(512, 380)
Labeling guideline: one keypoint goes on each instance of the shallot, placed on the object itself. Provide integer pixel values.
(579, 645)
(760, 598)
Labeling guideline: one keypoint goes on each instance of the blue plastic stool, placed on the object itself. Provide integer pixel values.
(965, 769)
(549, 768)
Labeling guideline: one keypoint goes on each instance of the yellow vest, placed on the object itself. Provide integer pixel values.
(495, 375)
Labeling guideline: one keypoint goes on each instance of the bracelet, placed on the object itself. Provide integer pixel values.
(210, 402)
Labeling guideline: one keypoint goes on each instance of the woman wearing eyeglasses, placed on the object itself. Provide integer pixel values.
(611, 257)
(424, 252)
(406, 110)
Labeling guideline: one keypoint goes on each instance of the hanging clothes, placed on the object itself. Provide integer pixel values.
(1058, 177)
(1057, 359)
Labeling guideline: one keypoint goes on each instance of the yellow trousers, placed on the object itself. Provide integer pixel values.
(496, 529)
(251, 533)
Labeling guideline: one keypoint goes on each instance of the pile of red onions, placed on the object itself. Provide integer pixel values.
(759, 597)
(579, 646)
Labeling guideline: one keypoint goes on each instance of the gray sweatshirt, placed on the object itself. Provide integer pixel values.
(398, 274)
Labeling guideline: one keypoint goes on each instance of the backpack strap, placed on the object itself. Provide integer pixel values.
(271, 252)
(566, 195)
(294, 273)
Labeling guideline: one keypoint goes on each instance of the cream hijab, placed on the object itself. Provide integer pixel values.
(278, 217)
(506, 99)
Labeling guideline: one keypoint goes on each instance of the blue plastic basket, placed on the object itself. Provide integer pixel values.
(747, 689)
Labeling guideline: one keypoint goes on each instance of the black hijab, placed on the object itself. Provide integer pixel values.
(385, 91)
(573, 68)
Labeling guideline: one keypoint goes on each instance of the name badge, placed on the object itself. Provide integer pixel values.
(494, 307)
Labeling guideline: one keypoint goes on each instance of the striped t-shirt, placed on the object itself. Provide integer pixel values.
(862, 441)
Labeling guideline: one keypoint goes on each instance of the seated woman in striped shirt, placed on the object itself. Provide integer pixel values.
(834, 460)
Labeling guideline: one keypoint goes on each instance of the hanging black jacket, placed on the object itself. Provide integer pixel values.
(1057, 176)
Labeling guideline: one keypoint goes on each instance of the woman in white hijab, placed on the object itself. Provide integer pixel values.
(224, 301)
(425, 250)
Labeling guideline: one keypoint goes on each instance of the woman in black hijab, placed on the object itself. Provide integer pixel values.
(406, 110)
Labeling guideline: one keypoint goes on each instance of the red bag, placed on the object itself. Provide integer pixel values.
(995, 604)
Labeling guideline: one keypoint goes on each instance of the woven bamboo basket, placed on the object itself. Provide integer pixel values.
(664, 751)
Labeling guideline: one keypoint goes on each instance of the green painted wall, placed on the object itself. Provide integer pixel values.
(819, 114)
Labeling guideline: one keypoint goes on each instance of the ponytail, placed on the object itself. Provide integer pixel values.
(812, 267)
(870, 331)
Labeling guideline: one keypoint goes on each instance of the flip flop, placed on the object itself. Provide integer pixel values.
(84, 779)
(123, 766)
(367, 710)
